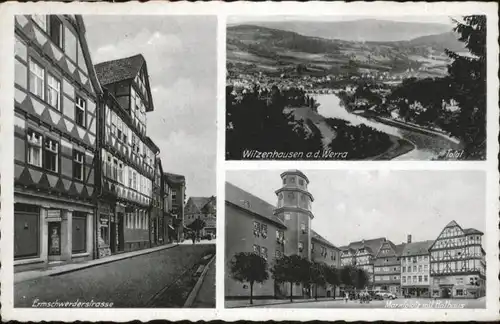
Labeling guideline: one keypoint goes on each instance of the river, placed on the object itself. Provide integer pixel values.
(427, 146)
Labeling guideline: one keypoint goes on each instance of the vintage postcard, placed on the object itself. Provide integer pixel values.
(223, 161)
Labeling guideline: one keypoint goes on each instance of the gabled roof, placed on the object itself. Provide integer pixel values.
(372, 245)
(400, 248)
(255, 205)
(417, 248)
(391, 245)
(174, 178)
(152, 145)
(120, 69)
(469, 231)
(198, 202)
(452, 224)
(321, 239)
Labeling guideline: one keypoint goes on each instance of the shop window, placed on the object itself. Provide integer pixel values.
(303, 228)
(104, 234)
(51, 155)
(78, 167)
(26, 231)
(54, 229)
(79, 233)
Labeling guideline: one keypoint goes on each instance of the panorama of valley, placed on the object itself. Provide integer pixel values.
(356, 90)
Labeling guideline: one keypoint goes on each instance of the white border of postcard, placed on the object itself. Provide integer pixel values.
(7, 10)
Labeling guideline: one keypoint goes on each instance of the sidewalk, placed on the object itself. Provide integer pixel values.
(264, 302)
(70, 267)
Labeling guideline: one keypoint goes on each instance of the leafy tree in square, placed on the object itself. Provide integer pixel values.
(249, 267)
(288, 269)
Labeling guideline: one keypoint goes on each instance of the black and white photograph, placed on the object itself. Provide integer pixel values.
(110, 114)
(356, 87)
(355, 239)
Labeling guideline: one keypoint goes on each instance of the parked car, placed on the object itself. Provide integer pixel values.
(386, 295)
(207, 237)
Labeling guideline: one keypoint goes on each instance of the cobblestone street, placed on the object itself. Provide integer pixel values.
(130, 282)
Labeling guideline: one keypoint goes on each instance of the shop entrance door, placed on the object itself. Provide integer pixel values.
(54, 241)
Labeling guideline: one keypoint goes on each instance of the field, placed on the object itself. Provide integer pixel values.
(259, 48)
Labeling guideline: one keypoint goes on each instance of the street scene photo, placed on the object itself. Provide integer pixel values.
(356, 88)
(355, 239)
(114, 161)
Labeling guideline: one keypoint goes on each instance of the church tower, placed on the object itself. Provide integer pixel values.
(294, 209)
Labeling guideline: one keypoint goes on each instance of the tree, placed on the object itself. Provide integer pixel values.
(319, 272)
(332, 276)
(468, 82)
(249, 267)
(197, 225)
(361, 278)
(305, 274)
(346, 276)
(287, 269)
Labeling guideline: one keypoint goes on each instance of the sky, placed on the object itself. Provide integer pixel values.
(261, 18)
(181, 57)
(358, 204)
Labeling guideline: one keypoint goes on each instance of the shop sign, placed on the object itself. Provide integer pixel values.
(54, 214)
(104, 220)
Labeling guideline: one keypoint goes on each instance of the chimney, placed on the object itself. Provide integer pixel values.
(408, 238)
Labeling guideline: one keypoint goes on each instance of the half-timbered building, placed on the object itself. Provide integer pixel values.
(362, 255)
(127, 156)
(457, 263)
(55, 121)
(387, 267)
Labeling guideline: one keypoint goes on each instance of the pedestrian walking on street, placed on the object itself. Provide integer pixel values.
(346, 297)
(193, 237)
